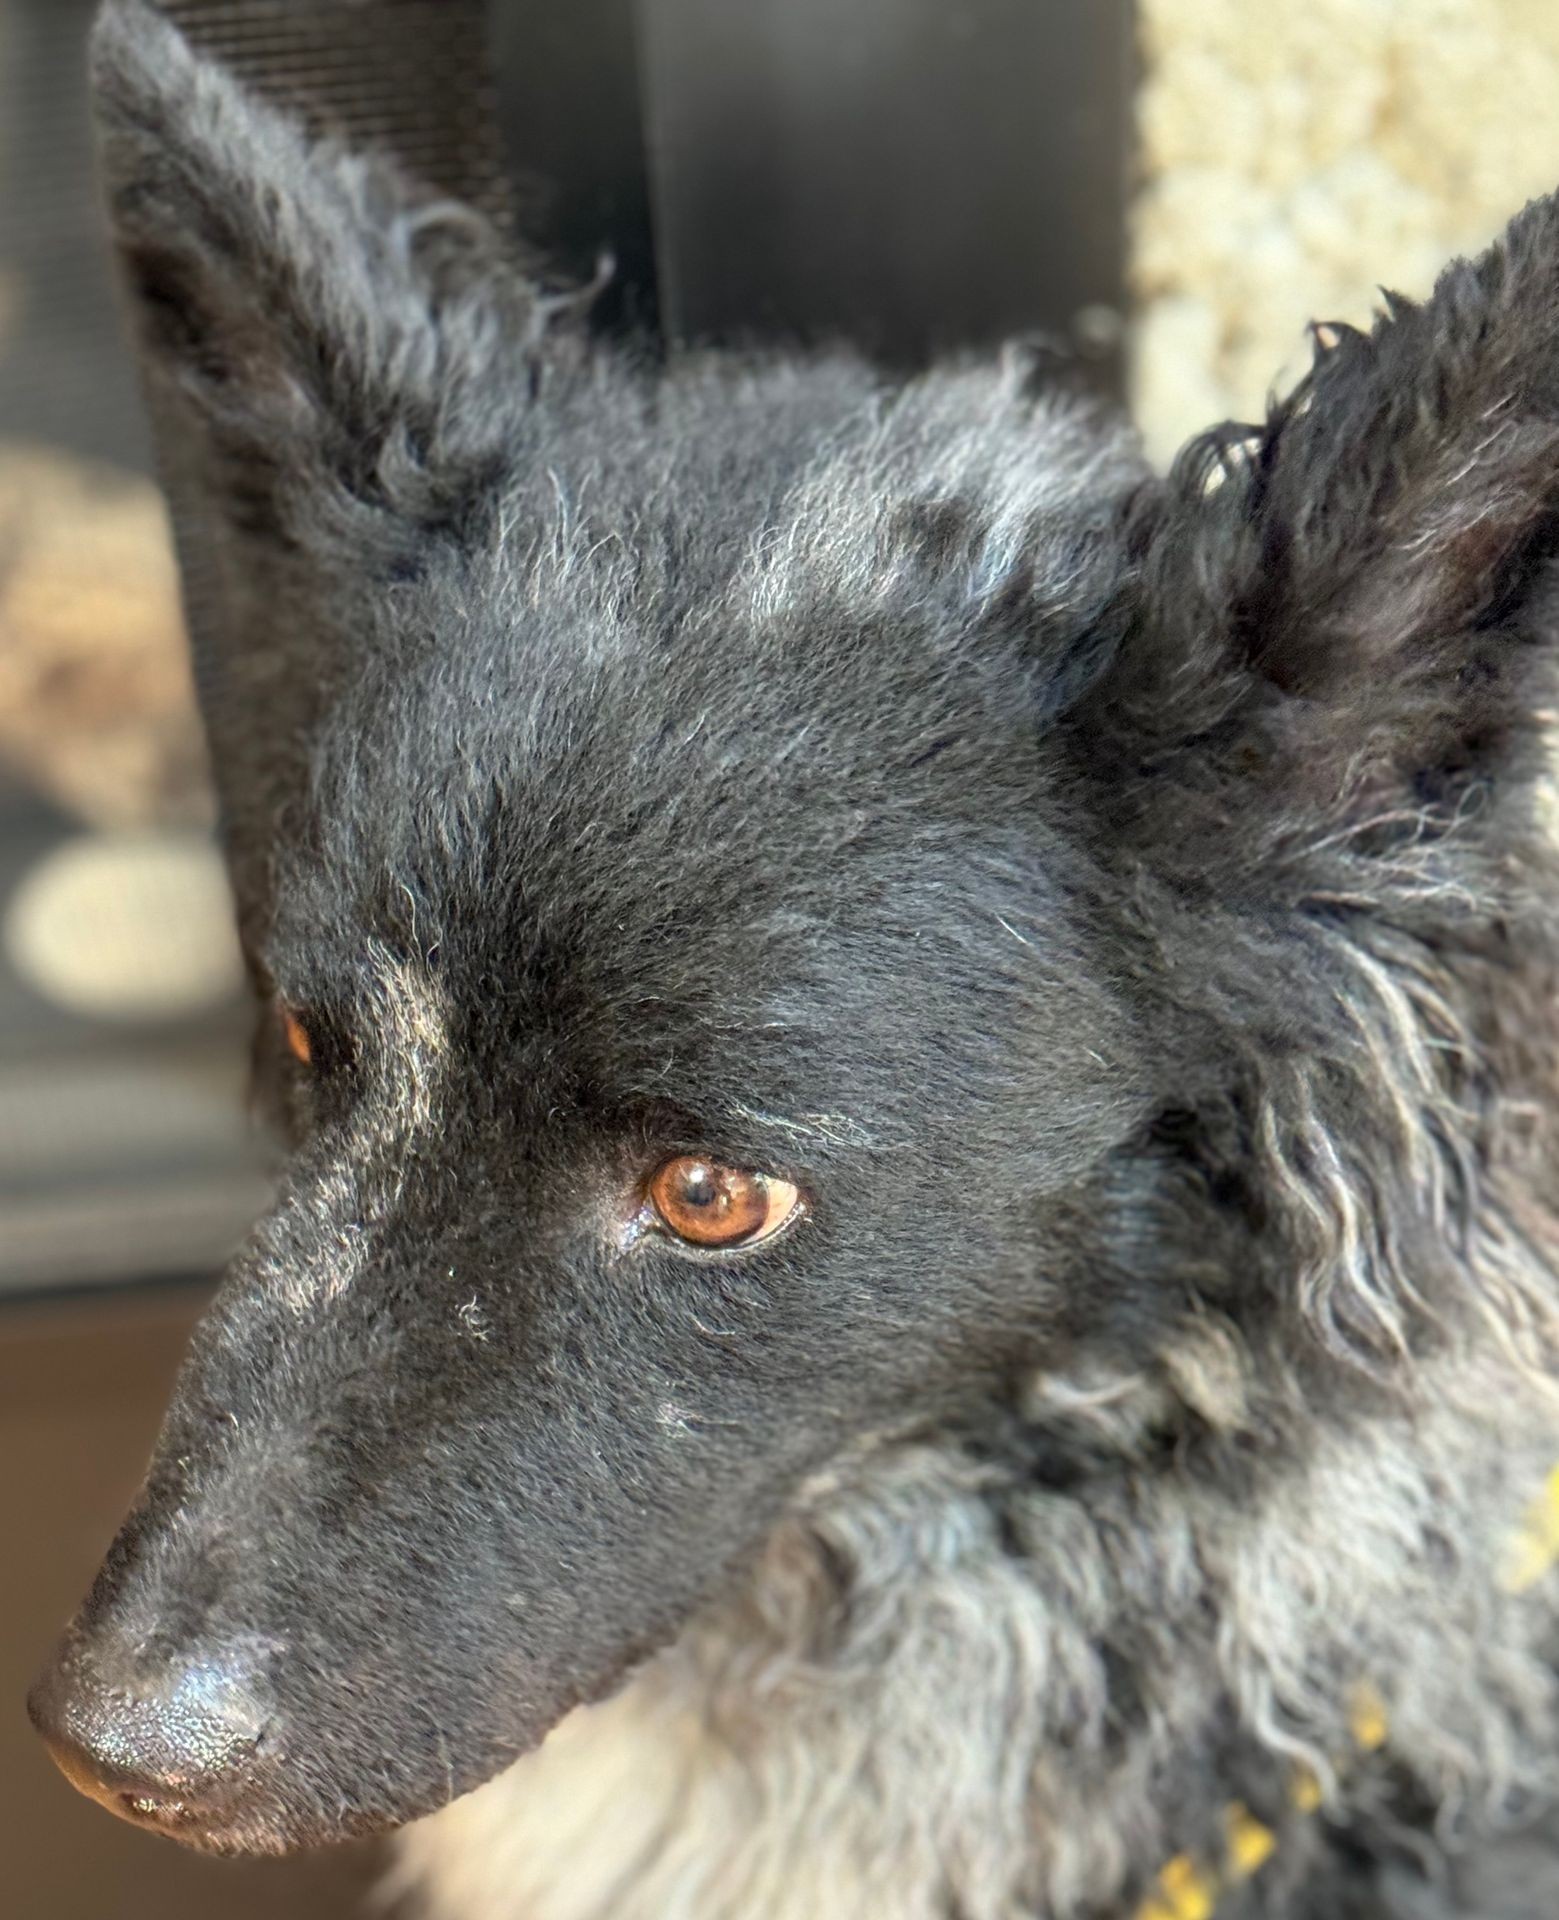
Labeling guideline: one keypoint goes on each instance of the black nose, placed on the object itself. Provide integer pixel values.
(166, 1744)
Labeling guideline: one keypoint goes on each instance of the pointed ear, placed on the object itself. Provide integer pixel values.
(338, 366)
(1362, 590)
(335, 329)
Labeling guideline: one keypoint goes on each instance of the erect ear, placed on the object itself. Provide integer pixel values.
(1358, 596)
(338, 366)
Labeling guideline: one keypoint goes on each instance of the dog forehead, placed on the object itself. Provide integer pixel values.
(644, 864)
(601, 841)
(564, 737)
(644, 722)
(752, 594)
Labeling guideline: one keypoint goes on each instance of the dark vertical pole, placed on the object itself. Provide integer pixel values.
(570, 106)
(913, 175)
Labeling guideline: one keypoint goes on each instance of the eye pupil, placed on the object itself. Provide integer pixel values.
(699, 1186)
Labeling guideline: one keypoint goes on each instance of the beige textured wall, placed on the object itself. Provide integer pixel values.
(1298, 155)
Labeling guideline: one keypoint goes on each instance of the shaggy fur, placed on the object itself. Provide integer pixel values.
(1121, 905)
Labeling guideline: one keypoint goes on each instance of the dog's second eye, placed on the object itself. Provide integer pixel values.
(297, 1037)
(707, 1204)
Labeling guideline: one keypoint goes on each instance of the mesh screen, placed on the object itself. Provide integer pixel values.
(410, 75)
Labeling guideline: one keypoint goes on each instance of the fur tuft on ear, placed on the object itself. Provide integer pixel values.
(1359, 590)
(1318, 757)
(338, 333)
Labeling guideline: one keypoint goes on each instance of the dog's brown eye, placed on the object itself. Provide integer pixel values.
(711, 1205)
(297, 1037)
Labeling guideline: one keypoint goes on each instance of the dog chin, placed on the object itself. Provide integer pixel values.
(260, 1833)
(256, 1824)
(249, 1839)
(259, 1826)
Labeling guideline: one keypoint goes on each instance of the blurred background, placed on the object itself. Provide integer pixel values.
(1159, 196)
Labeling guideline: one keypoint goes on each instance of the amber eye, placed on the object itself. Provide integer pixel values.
(711, 1205)
(297, 1037)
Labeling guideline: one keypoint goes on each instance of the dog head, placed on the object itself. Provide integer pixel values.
(752, 879)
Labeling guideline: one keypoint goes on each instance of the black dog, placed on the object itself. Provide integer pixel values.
(921, 1072)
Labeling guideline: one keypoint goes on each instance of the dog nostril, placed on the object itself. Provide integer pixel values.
(161, 1748)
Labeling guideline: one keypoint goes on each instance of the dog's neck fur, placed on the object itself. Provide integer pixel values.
(946, 1690)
